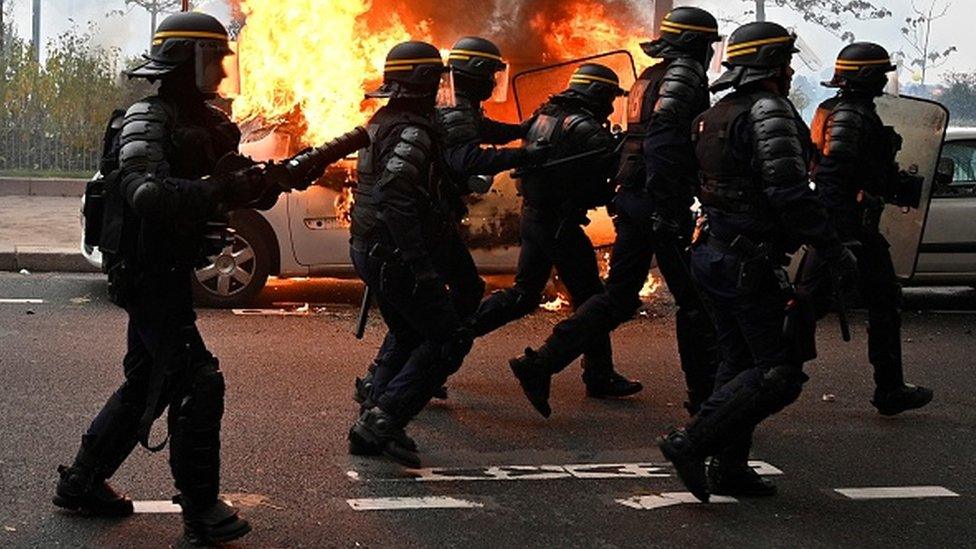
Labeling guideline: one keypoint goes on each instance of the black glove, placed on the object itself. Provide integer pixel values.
(480, 184)
(240, 188)
(526, 125)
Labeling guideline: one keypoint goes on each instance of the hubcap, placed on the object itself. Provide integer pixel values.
(230, 271)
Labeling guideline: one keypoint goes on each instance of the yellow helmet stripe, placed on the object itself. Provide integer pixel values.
(858, 64)
(473, 53)
(188, 34)
(424, 61)
(398, 69)
(589, 79)
(757, 43)
(684, 26)
(743, 52)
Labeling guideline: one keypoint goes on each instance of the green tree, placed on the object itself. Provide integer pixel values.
(829, 14)
(959, 96)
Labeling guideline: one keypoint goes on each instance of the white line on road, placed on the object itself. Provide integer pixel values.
(400, 504)
(158, 506)
(896, 492)
(578, 471)
(667, 499)
(21, 301)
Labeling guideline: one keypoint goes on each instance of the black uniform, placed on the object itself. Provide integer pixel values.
(855, 173)
(753, 150)
(657, 181)
(555, 202)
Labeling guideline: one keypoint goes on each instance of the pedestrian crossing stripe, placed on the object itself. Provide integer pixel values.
(407, 503)
(896, 492)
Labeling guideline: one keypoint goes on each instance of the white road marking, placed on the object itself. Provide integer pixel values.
(667, 499)
(159, 506)
(21, 301)
(896, 492)
(403, 503)
(579, 471)
(765, 469)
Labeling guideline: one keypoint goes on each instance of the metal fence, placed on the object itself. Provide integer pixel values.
(37, 147)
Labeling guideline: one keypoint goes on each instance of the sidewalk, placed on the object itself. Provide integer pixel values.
(41, 233)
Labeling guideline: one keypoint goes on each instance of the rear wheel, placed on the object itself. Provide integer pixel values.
(239, 272)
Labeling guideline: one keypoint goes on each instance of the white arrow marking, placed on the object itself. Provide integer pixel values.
(159, 506)
(667, 499)
(20, 301)
(896, 492)
(399, 504)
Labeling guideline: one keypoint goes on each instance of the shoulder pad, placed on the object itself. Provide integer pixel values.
(684, 89)
(145, 130)
(457, 125)
(584, 131)
(845, 128)
(410, 153)
(778, 147)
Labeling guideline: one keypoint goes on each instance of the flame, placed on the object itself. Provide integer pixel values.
(558, 303)
(343, 206)
(651, 286)
(585, 28)
(312, 60)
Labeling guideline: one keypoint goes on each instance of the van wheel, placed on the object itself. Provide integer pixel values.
(239, 272)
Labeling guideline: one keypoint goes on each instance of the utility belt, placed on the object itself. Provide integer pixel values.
(734, 195)
(756, 259)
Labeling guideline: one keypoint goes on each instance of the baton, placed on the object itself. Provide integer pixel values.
(364, 312)
(841, 305)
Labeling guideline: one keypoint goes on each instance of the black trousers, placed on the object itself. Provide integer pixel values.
(424, 345)
(550, 240)
(166, 365)
(452, 259)
(634, 249)
(881, 292)
(758, 375)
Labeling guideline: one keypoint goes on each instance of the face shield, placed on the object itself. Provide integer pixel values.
(806, 55)
(445, 91)
(210, 70)
(230, 86)
(499, 93)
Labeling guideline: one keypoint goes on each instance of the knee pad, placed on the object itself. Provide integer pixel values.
(203, 399)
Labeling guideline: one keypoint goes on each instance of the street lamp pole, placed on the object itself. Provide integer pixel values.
(186, 5)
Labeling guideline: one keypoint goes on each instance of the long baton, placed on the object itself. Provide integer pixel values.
(364, 312)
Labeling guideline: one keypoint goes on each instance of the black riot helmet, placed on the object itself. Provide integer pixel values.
(596, 83)
(862, 66)
(684, 31)
(475, 63)
(755, 52)
(185, 38)
(412, 70)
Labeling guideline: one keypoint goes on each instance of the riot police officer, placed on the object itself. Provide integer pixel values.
(163, 201)
(556, 197)
(399, 222)
(468, 140)
(753, 150)
(657, 179)
(856, 174)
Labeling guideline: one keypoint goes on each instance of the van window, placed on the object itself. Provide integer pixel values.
(963, 153)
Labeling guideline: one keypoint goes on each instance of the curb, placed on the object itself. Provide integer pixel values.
(26, 186)
(44, 259)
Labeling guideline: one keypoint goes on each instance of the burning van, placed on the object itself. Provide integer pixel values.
(302, 79)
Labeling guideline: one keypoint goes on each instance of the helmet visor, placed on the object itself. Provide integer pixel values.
(446, 91)
(499, 93)
(210, 70)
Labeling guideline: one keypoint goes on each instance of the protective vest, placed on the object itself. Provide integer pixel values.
(574, 186)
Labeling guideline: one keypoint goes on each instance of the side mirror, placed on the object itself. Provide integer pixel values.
(945, 172)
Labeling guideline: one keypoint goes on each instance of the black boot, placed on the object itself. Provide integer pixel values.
(211, 524)
(613, 386)
(738, 480)
(441, 393)
(379, 430)
(689, 465)
(364, 388)
(906, 397)
(359, 446)
(535, 376)
(80, 490)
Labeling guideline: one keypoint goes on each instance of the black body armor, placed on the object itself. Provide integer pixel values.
(576, 186)
(660, 108)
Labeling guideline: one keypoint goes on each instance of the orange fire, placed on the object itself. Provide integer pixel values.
(585, 28)
(313, 59)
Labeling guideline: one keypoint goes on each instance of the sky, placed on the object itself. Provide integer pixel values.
(131, 32)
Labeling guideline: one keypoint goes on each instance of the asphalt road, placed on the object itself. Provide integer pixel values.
(590, 476)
